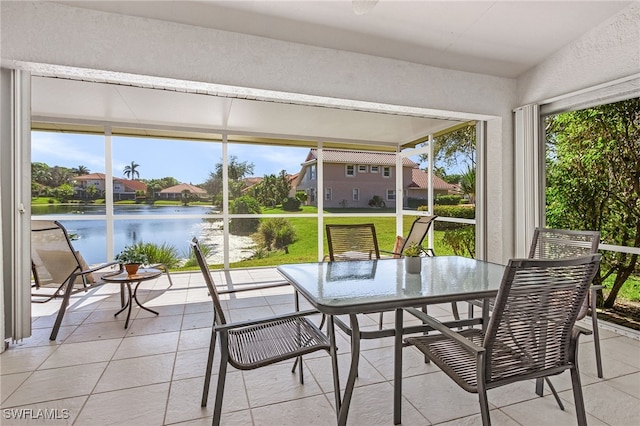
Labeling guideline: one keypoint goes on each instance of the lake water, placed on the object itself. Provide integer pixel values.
(90, 235)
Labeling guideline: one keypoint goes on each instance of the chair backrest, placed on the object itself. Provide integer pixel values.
(218, 314)
(561, 243)
(52, 255)
(534, 313)
(418, 232)
(352, 242)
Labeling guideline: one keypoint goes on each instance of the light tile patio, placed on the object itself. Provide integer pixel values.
(98, 373)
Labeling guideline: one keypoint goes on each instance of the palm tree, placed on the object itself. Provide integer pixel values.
(468, 184)
(81, 170)
(130, 170)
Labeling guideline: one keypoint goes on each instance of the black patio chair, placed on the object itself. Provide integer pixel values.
(252, 344)
(532, 333)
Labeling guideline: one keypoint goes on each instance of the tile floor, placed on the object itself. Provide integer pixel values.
(98, 373)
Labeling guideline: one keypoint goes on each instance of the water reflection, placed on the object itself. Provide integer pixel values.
(90, 235)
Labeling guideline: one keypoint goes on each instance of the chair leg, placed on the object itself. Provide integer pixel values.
(484, 406)
(596, 332)
(577, 397)
(381, 317)
(222, 376)
(207, 375)
(63, 307)
(555, 394)
(454, 309)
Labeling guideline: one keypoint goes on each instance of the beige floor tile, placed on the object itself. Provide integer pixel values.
(10, 382)
(314, 410)
(545, 411)
(498, 418)
(412, 362)
(57, 383)
(438, 398)
(136, 406)
(198, 320)
(81, 353)
(244, 314)
(192, 363)
(70, 318)
(150, 344)
(194, 339)
(155, 324)
(195, 307)
(617, 408)
(18, 359)
(373, 405)
(322, 371)
(98, 331)
(276, 383)
(40, 337)
(133, 372)
(629, 384)
(51, 413)
(186, 395)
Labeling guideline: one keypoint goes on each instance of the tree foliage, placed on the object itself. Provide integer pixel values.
(453, 150)
(131, 170)
(238, 171)
(593, 180)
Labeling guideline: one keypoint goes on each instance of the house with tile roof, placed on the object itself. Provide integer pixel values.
(123, 189)
(353, 178)
(175, 192)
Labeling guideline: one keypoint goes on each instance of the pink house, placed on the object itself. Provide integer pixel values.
(353, 178)
(123, 189)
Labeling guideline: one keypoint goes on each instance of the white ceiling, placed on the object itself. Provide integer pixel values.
(503, 38)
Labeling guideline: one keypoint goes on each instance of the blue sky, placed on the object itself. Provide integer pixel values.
(189, 162)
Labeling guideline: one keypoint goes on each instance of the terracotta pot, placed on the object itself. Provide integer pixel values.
(131, 268)
(413, 265)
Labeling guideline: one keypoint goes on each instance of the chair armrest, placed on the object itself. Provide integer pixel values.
(467, 344)
(242, 324)
(578, 329)
(99, 267)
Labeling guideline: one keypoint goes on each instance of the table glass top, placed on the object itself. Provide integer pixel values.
(142, 274)
(386, 283)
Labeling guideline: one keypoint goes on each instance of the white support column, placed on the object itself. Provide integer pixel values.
(320, 200)
(481, 190)
(399, 192)
(430, 189)
(108, 196)
(15, 190)
(225, 200)
(529, 179)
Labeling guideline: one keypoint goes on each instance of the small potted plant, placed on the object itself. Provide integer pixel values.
(412, 261)
(131, 257)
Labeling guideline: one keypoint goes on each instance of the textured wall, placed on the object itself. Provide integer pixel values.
(606, 53)
(51, 33)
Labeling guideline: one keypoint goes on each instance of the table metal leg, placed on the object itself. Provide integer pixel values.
(353, 370)
(397, 369)
(127, 305)
(334, 363)
(135, 297)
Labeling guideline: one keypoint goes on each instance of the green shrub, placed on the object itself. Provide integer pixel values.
(159, 253)
(244, 205)
(191, 257)
(291, 204)
(462, 240)
(277, 233)
(447, 200)
(459, 211)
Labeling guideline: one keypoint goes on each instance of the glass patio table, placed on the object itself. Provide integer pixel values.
(354, 287)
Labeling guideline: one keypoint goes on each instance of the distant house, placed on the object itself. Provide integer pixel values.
(123, 189)
(353, 178)
(175, 192)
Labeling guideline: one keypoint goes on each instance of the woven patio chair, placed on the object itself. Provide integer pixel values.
(532, 332)
(252, 344)
(58, 269)
(559, 244)
(417, 233)
(352, 242)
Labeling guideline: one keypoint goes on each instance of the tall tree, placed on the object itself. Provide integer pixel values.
(593, 180)
(131, 170)
(454, 150)
(238, 171)
(81, 170)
